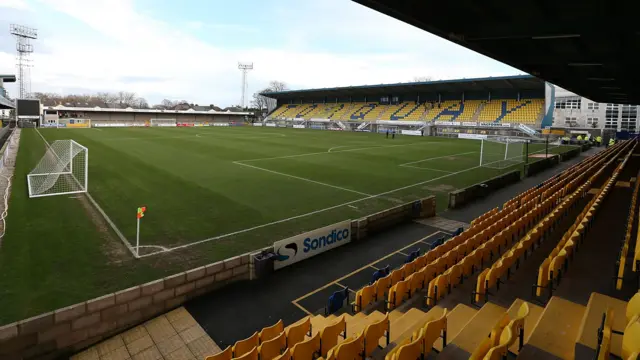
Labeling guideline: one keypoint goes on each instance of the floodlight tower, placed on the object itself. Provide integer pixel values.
(245, 68)
(24, 48)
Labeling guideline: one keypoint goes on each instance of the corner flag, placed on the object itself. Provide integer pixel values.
(139, 216)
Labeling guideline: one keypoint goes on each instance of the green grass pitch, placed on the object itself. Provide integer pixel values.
(210, 193)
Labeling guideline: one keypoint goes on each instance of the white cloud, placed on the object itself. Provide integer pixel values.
(14, 4)
(126, 50)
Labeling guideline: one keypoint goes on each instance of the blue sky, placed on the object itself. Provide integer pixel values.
(190, 49)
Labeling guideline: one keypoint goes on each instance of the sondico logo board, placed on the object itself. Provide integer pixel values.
(303, 246)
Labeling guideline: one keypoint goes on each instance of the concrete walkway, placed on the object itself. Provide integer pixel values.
(173, 336)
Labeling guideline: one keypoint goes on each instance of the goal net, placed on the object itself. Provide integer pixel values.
(62, 170)
(163, 122)
(501, 152)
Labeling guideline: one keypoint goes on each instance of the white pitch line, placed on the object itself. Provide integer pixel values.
(303, 179)
(426, 168)
(339, 151)
(439, 157)
(344, 146)
(310, 213)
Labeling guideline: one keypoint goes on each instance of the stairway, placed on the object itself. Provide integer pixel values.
(476, 115)
(555, 334)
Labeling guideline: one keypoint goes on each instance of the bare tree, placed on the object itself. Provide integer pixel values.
(259, 101)
(422, 78)
(141, 103)
(276, 85)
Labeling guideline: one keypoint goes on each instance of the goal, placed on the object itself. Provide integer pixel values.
(62, 170)
(163, 122)
(501, 152)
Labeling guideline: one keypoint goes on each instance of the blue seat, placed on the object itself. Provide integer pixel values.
(380, 273)
(412, 256)
(458, 232)
(437, 243)
(337, 301)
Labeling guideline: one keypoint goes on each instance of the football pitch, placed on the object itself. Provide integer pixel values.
(210, 193)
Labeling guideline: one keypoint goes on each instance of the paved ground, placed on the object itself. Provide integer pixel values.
(237, 311)
(172, 336)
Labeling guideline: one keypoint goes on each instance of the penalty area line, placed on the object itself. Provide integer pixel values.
(426, 168)
(303, 179)
(310, 213)
(439, 157)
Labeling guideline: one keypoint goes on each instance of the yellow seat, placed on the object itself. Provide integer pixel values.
(437, 289)
(412, 350)
(481, 289)
(631, 339)
(372, 334)
(329, 335)
(305, 350)
(350, 349)
(271, 332)
(272, 348)
(225, 354)
(408, 269)
(251, 355)
(244, 346)
(396, 276)
(364, 297)
(286, 355)
(543, 276)
(605, 346)
(433, 330)
(633, 307)
(455, 275)
(421, 261)
(296, 332)
(556, 265)
(500, 351)
(397, 294)
(382, 287)
(415, 282)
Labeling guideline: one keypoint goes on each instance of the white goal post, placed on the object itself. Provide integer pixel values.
(62, 170)
(163, 122)
(501, 152)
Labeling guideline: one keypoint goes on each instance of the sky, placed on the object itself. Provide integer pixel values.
(190, 49)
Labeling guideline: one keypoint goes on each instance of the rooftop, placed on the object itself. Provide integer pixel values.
(556, 41)
(522, 82)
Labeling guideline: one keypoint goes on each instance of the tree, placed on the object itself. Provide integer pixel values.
(422, 78)
(167, 104)
(275, 85)
(126, 99)
(263, 102)
(259, 101)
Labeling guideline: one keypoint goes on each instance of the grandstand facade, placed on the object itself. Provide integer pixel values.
(574, 111)
(510, 104)
(62, 116)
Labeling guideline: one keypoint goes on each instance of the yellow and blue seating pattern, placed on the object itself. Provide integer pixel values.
(512, 111)
(526, 111)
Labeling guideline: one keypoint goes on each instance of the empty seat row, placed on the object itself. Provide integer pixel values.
(547, 220)
(482, 247)
(626, 242)
(422, 341)
(630, 332)
(503, 336)
(552, 268)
